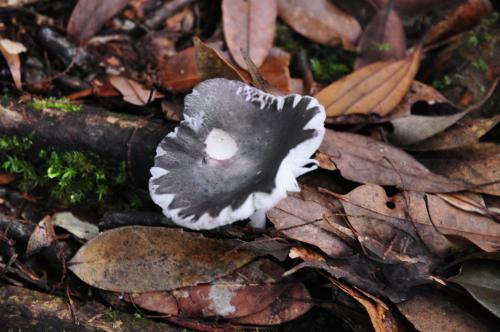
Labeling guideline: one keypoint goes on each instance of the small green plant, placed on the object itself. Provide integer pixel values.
(480, 64)
(383, 47)
(328, 69)
(63, 104)
(442, 83)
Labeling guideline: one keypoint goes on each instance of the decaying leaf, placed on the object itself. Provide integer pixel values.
(431, 310)
(383, 39)
(275, 70)
(377, 88)
(144, 259)
(211, 63)
(311, 218)
(242, 296)
(467, 201)
(10, 51)
(478, 164)
(43, 236)
(179, 73)
(68, 221)
(89, 16)
(420, 93)
(132, 91)
(249, 25)
(466, 131)
(6, 178)
(481, 278)
(320, 21)
(365, 160)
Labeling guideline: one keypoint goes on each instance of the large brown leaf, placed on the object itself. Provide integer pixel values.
(89, 16)
(377, 88)
(478, 164)
(312, 219)
(366, 160)
(179, 73)
(249, 25)
(320, 21)
(144, 259)
(383, 39)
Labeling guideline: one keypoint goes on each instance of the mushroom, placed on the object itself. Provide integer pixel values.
(235, 155)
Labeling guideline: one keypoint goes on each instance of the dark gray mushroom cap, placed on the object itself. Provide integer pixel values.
(237, 152)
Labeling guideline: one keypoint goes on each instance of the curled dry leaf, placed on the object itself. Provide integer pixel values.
(311, 218)
(249, 25)
(482, 280)
(431, 310)
(466, 131)
(366, 160)
(383, 39)
(68, 221)
(211, 63)
(144, 259)
(320, 21)
(275, 70)
(132, 91)
(377, 88)
(89, 16)
(478, 164)
(43, 236)
(10, 51)
(467, 201)
(179, 73)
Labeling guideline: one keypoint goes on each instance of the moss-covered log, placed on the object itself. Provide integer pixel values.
(111, 136)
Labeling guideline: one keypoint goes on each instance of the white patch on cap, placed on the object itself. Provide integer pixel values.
(220, 145)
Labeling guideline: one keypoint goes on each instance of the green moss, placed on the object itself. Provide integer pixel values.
(71, 177)
(63, 104)
(329, 68)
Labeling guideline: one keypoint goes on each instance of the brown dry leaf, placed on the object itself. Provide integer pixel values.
(132, 91)
(179, 73)
(309, 217)
(381, 317)
(144, 259)
(466, 131)
(417, 94)
(79, 228)
(467, 201)
(373, 214)
(211, 63)
(366, 160)
(246, 292)
(43, 236)
(6, 178)
(320, 21)
(383, 39)
(431, 310)
(461, 19)
(478, 164)
(249, 25)
(324, 161)
(10, 51)
(275, 70)
(377, 88)
(89, 16)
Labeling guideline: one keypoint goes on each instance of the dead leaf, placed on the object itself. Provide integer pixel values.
(43, 236)
(325, 162)
(366, 160)
(179, 73)
(320, 21)
(79, 228)
(249, 25)
(89, 16)
(466, 131)
(211, 63)
(383, 39)
(420, 93)
(460, 19)
(161, 302)
(467, 201)
(478, 164)
(481, 278)
(132, 91)
(10, 50)
(310, 218)
(6, 178)
(431, 310)
(275, 70)
(144, 259)
(377, 88)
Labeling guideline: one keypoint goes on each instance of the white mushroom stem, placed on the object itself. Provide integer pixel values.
(258, 219)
